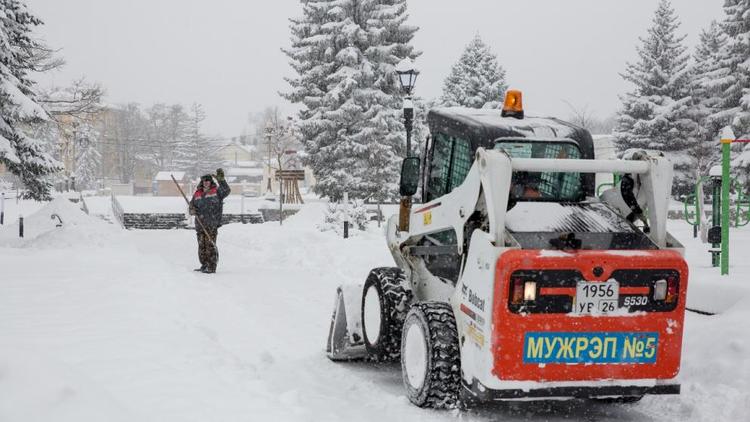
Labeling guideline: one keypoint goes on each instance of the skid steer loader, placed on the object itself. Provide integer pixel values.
(512, 280)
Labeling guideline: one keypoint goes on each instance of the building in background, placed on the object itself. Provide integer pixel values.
(238, 155)
(163, 185)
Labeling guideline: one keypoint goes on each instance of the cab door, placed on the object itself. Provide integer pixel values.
(450, 161)
(449, 164)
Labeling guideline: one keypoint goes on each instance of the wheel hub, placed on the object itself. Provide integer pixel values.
(372, 315)
(415, 356)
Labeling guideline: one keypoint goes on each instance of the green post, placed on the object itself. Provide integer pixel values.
(727, 137)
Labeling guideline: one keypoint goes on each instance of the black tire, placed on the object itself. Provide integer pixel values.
(439, 387)
(383, 342)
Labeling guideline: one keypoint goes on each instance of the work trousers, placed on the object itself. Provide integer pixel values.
(207, 252)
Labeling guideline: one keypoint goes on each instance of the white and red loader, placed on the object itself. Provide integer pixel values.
(512, 279)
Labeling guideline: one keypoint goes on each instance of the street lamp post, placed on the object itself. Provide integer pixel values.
(269, 133)
(74, 158)
(407, 76)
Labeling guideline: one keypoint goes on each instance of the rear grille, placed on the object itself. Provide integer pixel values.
(556, 290)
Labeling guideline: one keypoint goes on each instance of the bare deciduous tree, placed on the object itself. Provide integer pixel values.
(80, 100)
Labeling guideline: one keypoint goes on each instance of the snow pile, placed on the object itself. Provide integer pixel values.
(99, 206)
(65, 392)
(43, 229)
(337, 214)
(715, 372)
(709, 291)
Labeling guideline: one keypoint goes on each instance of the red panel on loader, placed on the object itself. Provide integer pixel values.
(547, 340)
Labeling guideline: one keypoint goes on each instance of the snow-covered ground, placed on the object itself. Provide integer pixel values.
(98, 323)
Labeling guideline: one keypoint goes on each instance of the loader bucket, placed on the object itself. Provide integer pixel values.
(345, 340)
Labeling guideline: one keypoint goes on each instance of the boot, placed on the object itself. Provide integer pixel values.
(209, 271)
(201, 269)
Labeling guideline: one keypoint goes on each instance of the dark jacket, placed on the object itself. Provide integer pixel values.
(209, 205)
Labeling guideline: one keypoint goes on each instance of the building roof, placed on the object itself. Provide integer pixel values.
(244, 171)
(242, 164)
(167, 175)
(247, 148)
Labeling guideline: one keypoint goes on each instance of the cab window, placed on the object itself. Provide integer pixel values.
(450, 163)
(546, 186)
(460, 162)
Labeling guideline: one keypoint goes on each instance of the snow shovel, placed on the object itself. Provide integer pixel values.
(345, 339)
(198, 219)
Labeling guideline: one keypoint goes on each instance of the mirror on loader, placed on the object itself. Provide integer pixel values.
(409, 176)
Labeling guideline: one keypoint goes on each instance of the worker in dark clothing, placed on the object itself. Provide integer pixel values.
(207, 206)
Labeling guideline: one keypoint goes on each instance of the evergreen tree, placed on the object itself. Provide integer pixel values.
(24, 156)
(735, 63)
(735, 107)
(344, 53)
(476, 80)
(88, 158)
(312, 58)
(707, 87)
(655, 115)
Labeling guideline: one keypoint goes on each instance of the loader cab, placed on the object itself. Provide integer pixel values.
(546, 186)
(457, 133)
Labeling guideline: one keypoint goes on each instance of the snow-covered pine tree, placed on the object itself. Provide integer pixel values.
(88, 158)
(476, 80)
(344, 53)
(654, 115)
(199, 155)
(708, 84)
(382, 137)
(311, 55)
(735, 106)
(24, 156)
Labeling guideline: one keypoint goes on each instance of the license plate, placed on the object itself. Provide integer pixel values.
(596, 297)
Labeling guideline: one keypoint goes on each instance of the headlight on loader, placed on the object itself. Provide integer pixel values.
(522, 291)
(660, 290)
(529, 291)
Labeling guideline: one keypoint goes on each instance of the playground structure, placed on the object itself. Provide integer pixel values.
(721, 202)
(696, 215)
(289, 180)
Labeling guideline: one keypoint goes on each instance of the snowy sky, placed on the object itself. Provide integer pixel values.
(227, 56)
